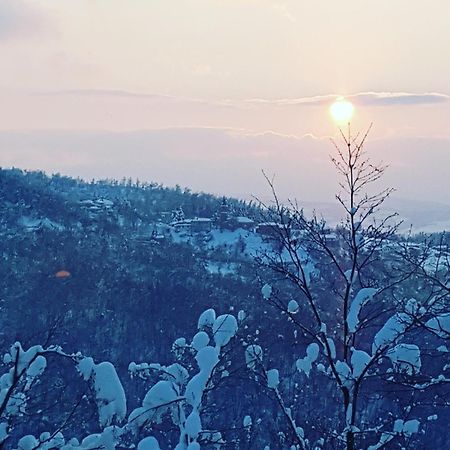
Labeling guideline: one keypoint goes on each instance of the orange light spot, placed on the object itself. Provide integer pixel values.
(62, 274)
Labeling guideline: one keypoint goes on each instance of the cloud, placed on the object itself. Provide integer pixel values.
(122, 110)
(398, 98)
(205, 159)
(362, 99)
(119, 93)
(227, 161)
(19, 18)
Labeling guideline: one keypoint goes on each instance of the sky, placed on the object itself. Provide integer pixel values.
(207, 93)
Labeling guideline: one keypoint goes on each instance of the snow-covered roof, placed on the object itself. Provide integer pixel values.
(270, 224)
(243, 219)
(190, 221)
(33, 224)
(97, 203)
(201, 219)
(181, 222)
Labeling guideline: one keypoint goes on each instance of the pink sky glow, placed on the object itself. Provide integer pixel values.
(206, 93)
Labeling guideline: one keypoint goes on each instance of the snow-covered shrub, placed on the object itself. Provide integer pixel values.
(182, 388)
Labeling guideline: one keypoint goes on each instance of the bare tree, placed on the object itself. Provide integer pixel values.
(42, 393)
(346, 292)
(429, 258)
(182, 406)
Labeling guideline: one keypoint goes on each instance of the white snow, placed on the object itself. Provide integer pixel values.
(247, 422)
(193, 446)
(37, 367)
(176, 373)
(220, 268)
(195, 388)
(409, 427)
(85, 366)
(158, 400)
(16, 404)
(273, 378)
(161, 394)
(305, 364)
(310, 271)
(110, 395)
(179, 347)
(440, 325)
(206, 319)
(3, 431)
(254, 243)
(224, 328)
(359, 361)
(332, 348)
(107, 440)
(385, 438)
(193, 425)
(24, 358)
(253, 356)
(207, 357)
(321, 368)
(394, 327)
(362, 297)
(266, 291)
(348, 275)
(405, 358)
(293, 307)
(148, 443)
(28, 442)
(200, 340)
(345, 374)
(33, 223)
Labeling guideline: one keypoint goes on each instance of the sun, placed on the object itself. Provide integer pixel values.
(341, 110)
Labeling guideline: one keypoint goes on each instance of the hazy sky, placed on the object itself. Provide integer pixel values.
(206, 93)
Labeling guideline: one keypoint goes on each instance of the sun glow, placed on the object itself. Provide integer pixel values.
(341, 110)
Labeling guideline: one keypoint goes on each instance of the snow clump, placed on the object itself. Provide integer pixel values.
(266, 291)
(305, 364)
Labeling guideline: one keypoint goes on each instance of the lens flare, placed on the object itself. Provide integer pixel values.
(341, 110)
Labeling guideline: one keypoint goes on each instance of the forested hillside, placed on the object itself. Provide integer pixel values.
(121, 272)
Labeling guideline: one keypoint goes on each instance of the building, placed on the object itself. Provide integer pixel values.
(201, 225)
(182, 226)
(269, 229)
(190, 226)
(244, 222)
